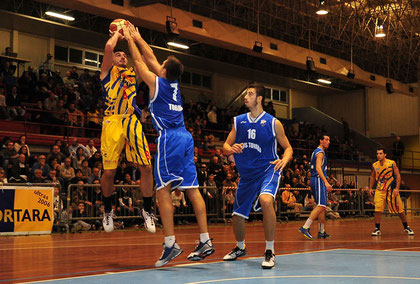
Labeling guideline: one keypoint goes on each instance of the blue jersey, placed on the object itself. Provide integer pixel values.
(324, 168)
(259, 143)
(166, 105)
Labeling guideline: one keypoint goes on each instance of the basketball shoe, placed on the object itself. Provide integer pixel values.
(108, 222)
(202, 251)
(269, 260)
(306, 233)
(376, 232)
(149, 221)
(323, 235)
(409, 231)
(168, 254)
(234, 254)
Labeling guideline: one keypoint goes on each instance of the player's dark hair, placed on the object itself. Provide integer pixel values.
(174, 68)
(259, 89)
(383, 149)
(118, 50)
(322, 136)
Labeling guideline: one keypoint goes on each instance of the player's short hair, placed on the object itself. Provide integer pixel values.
(322, 136)
(118, 50)
(381, 148)
(174, 68)
(260, 90)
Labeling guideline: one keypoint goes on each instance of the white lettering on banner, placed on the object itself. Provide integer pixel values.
(252, 146)
(175, 107)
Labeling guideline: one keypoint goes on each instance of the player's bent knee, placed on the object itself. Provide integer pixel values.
(266, 200)
(145, 170)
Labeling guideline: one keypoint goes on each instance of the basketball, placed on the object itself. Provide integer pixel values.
(117, 26)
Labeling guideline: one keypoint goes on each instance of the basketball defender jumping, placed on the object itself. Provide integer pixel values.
(174, 164)
(253, 142)
(387, 176)
(320, 186)
(122, 128)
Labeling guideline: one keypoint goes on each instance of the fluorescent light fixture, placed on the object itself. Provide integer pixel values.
(90, 60)
(61, 16)
(178, 45)
(321, 11)
(324, 81)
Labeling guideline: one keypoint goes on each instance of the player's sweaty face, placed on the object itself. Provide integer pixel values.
(250, 97)
(326, 142)
(120, 59)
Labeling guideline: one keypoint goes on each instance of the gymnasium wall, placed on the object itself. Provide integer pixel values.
(389, 113)
(303, 99)
(34, 48)
(349, 105)
(4, 39)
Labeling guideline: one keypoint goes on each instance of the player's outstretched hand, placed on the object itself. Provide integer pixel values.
(237, 148)
(117, 34)
(279, 164)
(134, 31)
(127, 34)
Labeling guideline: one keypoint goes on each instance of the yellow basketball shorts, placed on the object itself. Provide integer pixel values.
(394, 203)
(119, 131)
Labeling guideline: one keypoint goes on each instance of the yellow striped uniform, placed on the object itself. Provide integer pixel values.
(121, 127)
(385, 184)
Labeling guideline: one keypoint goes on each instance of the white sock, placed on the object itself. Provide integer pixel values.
(241, 245)
(269, 245)
(169, 241)
(308, 223)
(321, 227)
(204, 237)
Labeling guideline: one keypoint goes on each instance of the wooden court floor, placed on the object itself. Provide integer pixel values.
(34, 258)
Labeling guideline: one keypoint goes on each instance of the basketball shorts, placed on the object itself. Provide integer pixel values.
(319, 191)
(395, 204)
(249, 189)
(174, 162)
(119, 131)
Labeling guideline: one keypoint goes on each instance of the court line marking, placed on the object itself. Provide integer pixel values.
(307, 276)
(155, 268)
(402, 249)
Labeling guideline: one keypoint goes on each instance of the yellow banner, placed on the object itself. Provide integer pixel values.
(27, 210)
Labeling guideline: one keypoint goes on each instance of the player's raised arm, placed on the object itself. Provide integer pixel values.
(229, 147)
(108, 52)
(284, 142)
(147, 52)
(139, 65)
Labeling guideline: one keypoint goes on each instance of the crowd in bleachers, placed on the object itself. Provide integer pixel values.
(76, 100)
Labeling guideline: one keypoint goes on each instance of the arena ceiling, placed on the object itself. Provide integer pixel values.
(346, 32)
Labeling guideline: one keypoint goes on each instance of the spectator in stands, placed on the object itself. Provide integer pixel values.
(53, 178)
(55, 153)
(24, 150)
(90, 147)
(37, 177)
(229, 189)
(68, 80)
(66, 171)
(13, 101)
(93, 119)
(10, 79)
(20, 171)
(46, 66)
(50, 102)
(217, 170)
(78, 177)
(9, 154)
(86, 170)
(269, 108)
(309, 202)
(80, 225)
(96, 196)
(78, 158)
(202, 175)
(3, 176)
(85, 77)
(4, 110)
(57, 204)
(75, 117)
(74, 75)
(41, 164)
(39, 115)
(212, 117)
(63, 147)
(289, 199)
(96, 174)
(398, 148)
(60, 113)
(20, 143)
(210, 189)
(75, 145)
(7, 51)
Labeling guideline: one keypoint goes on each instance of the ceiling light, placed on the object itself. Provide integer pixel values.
(380, 31)
(61, 16)
(324, 81)
(178, 45)
(321, 9)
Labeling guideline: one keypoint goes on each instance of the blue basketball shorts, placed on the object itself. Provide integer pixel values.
(319, 191)
(249, 189)
(174, 162)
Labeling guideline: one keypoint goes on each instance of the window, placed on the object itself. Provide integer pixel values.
(91, 59)
(186, 78)
(76, 55)
(101, 58)
(207, 82)
(283, 96)
(196, 79)
(276, 95)
(61, 53)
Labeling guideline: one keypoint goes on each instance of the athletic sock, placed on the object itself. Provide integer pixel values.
(269, 245)
(321, 228)
(405, 225)
(204, 237)
(147, 202)
(169, 241)
(378, 226)
(240, 245)
(107, 203)
(308, 224)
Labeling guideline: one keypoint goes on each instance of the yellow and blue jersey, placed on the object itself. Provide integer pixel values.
(120, 90)
(384, 174)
